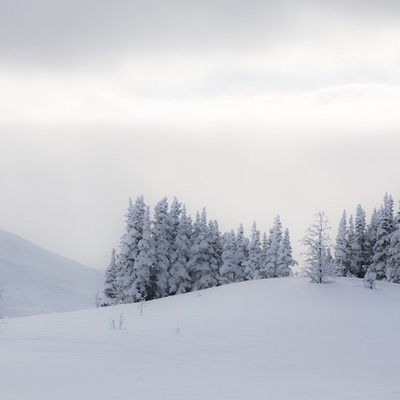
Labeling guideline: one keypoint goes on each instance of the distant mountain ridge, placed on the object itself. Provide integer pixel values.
(36, 281)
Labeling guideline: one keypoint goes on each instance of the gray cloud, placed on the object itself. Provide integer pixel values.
(76, 32)
(59, 31)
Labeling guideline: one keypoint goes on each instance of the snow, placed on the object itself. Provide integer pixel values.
(34, 280)
(274, 339)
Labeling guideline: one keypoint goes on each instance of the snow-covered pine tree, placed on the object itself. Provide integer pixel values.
(351, 249)
(341, 248)
(360, 246)
(111, 283)
(372, 235)
(317, 242)
(180, 280)
(242, 253)
(174, 215)
(252, 265)
(229, 268)
(129, 249)
(285, 257)
(273, 250)
(162, 235)
(265, 245)
(386, 227)
(393, 264)
(330, 260)
(144, 286)
(216, 249)
(200, 265)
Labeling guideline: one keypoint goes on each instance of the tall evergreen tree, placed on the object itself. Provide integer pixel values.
(285, 257)
(111, 282)
(341, 248)
(180, 280)
(386, 227)
(144, 286)
(273, 251)
(360, 245)
(242, 253)
(162, 234)
(229, 265)
(393, 264)
(215, 241)
(252, 265)
(200, 264)
(330, 260)
(351, 249)
(372, 235)
(129, 249)
(264, 260)
(174, 216)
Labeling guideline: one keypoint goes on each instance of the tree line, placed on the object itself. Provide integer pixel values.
(370, 251)
(376, 245)
(172, 254)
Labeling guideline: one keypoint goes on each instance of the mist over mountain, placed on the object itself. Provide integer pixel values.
(36, 281)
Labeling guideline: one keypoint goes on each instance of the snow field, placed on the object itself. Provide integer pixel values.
(268, 339)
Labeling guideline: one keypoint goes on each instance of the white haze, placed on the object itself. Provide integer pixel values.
(250, 109)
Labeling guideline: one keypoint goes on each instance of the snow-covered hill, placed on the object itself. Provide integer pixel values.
(280, 339)
(35, 281)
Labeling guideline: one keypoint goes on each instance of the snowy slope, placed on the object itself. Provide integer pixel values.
(35, 281)
(278, 339)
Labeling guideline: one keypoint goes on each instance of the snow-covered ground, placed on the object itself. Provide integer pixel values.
(35, 281)
(272, 339)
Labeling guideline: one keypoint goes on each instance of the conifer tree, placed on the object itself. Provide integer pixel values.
(200, 264)
(360, 244)
(174, 216)
(252, 265)
(273, 250)
(111, 283)
(285, 257)
(229, 268)
(216, 249)
(341, 248)
(242, 253)
(372, 235)
(386, 227)
(144, 286)
(330, 260)
(351, 249)
(129, 249)
(393, 264)
(162, 235)
(264, 260)
(180, 280)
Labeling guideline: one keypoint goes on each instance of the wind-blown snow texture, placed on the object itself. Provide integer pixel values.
(279, 339)
(35, 281)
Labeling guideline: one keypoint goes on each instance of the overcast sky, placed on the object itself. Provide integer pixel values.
(249, 108)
